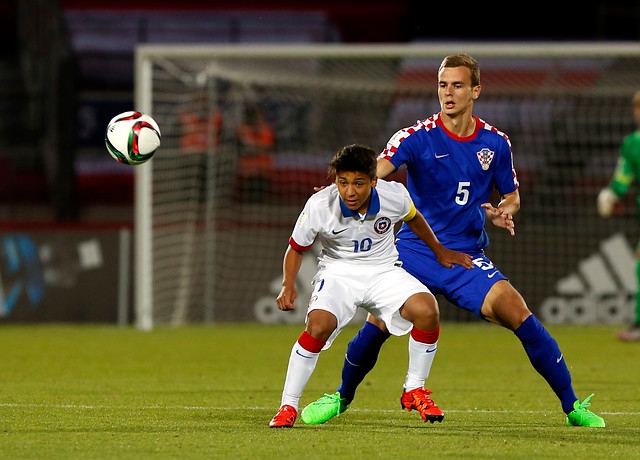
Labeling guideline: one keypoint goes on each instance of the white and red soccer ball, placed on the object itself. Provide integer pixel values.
(132, 137)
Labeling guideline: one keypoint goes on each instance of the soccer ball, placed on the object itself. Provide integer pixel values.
(132, 137)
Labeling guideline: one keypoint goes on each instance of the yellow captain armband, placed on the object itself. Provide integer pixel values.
(411, 214)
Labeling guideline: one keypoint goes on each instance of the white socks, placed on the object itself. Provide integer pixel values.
(301, 365)
(421, 357)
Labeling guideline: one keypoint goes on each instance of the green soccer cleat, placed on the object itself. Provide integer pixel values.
(323, 409)
(581, 416)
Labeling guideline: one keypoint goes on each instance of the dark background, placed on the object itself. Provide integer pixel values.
(46, 153)
(66, 67)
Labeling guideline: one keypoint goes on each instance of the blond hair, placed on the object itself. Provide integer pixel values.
(463, 60)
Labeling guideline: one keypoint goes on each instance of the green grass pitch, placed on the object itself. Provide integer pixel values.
(107, 392)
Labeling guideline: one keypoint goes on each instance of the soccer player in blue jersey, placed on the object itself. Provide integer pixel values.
(454, 160)
(354, 219)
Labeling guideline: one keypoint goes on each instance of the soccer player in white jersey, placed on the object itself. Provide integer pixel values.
(358, 266)
(454, 161)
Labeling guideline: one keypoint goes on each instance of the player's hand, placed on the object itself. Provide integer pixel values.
(286, 298)
(607, 200)
(317, 189)
(500, 218)
(449, 257)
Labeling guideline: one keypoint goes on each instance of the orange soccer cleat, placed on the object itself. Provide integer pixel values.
(285, 418)
(420, 400)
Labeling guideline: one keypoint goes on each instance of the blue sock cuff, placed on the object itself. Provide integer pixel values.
(362, 354)
(529, 329)
(547, 359)
(364, 347)
(373, 333)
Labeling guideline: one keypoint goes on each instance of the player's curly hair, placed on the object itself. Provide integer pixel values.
(354, 158)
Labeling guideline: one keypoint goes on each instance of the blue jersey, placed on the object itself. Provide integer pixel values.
(449, 177)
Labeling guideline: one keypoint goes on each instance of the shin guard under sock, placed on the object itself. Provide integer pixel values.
(362, 354)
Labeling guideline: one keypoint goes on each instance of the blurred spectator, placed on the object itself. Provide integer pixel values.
(255, 135)
(256, 143)
(198, 123)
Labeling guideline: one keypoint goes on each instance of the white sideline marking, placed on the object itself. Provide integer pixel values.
(462, 411)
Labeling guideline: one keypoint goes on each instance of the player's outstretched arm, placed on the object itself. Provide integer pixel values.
(384, 168)
(290, 267)
(446, 257)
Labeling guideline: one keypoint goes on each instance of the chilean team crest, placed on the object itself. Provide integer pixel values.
(382, 225)
(485, 156)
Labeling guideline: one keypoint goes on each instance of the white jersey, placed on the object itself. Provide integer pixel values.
(358, 265)
(348, 237)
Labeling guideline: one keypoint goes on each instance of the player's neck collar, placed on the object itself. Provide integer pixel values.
(454, 136)
(374, 206)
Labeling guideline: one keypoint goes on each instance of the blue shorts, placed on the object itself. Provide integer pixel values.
(461, 286)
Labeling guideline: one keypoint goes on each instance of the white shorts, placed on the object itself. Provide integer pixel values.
(379, 290)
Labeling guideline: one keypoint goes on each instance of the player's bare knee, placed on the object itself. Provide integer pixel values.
(422, 308)
(320, 324)
(509, 317)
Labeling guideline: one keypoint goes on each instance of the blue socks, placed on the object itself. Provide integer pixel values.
(542, 350)
(362, 354)
(547, 359)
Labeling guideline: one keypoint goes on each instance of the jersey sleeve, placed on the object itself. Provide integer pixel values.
(506, 178)
(403, 199)
(304, 232)
(624, 173)
(396, 150)
(412, 212)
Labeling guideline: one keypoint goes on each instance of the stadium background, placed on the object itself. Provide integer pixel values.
(61, 197)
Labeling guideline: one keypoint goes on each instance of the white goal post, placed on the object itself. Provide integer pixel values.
(213, 211)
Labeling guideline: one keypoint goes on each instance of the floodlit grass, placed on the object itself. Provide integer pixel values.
(101, 392)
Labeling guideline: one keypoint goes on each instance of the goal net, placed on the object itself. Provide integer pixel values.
(247, 133)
